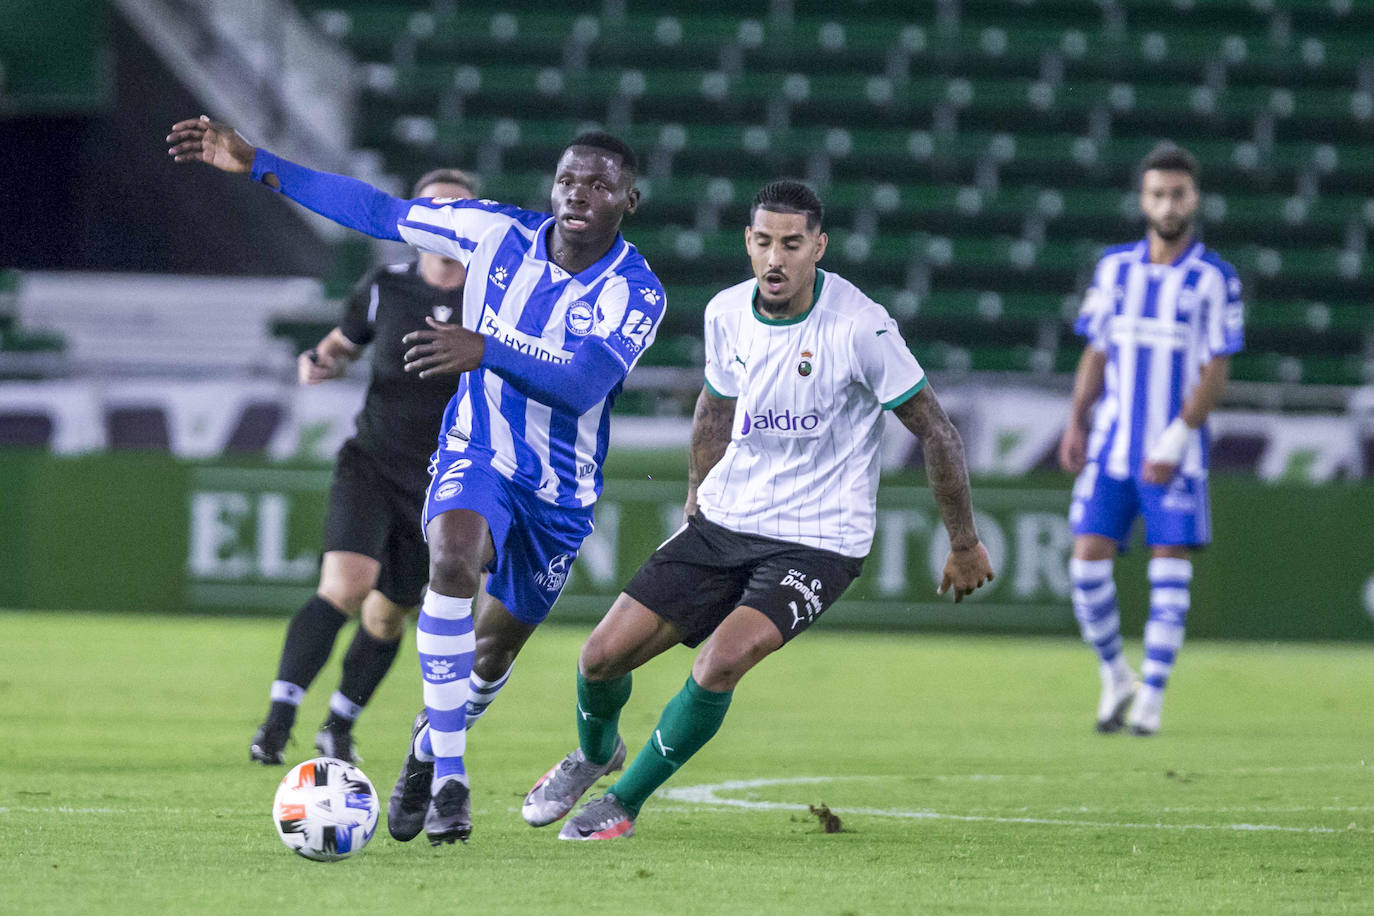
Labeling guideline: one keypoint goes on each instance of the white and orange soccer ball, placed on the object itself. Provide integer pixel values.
(325, 809)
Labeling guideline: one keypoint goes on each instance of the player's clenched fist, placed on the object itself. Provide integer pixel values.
(203, 140)
(965, 571)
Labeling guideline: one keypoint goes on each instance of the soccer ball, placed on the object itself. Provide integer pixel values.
(325, 809)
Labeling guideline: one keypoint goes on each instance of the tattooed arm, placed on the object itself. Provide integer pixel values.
(711, 425)
(967, 567)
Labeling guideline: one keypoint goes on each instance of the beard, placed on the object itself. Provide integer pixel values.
(773, 308)
(1182, 230)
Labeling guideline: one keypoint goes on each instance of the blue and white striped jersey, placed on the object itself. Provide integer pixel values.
(518, 295)
(1159, 324)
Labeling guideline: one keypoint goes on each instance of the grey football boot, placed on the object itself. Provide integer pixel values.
(558, 790)
(602, 818)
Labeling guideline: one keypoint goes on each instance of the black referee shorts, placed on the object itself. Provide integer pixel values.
(705, 571)
(373, 514)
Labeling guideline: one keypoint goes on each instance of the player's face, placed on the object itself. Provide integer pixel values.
(591, 194)
(1168, 199)
(784, 255)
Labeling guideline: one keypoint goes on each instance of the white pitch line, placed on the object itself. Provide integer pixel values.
(62, 809)
(72, 809)
(709, 795)
(1116, 775)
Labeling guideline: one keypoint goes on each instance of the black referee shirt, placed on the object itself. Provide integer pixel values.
(400, 420)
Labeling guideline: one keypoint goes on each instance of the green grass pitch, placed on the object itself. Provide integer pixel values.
(965, 771)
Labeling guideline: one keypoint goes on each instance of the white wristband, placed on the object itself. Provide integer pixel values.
(1169, 447)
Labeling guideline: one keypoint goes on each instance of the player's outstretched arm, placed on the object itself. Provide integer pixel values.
(712, 422)
(347, 201)
(967, 566)
(1087, 388)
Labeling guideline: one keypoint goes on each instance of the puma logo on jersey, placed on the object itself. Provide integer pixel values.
(740, 361)
(882, 332)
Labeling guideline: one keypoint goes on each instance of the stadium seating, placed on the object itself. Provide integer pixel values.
(974, 155)
(143, 326)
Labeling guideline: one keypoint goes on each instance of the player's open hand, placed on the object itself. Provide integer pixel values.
(443, 349)
(203, 140)
(965, 571)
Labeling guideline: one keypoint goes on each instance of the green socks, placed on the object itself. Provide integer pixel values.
(689, 720)
(598, 715)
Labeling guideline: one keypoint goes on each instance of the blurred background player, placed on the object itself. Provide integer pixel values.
(1162, 318)
(375, 560)
(565, 307)
(780, 513)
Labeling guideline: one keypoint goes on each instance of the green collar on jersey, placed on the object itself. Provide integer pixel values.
(795, 319)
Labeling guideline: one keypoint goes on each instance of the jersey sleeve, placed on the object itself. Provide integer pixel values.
(883, 361)
(628, 313)
(1096, 309)
(452, 227)
(719, 378)
(1224, 323)
(360, 309)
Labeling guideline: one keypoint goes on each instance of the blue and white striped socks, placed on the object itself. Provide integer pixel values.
(1094, 604)
(483, 693)
(445, 642)
(1170, 578)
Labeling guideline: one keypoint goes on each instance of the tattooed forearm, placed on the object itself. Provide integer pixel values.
(944, 453)
(711, 424)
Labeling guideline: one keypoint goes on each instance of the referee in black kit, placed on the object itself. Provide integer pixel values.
(375, 559)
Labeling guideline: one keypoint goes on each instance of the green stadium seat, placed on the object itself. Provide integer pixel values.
(1328, 369)
(370, 30)
(478, 36)
(687, 301)
(1308, 327)
(1281, 219)
(681, 38)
